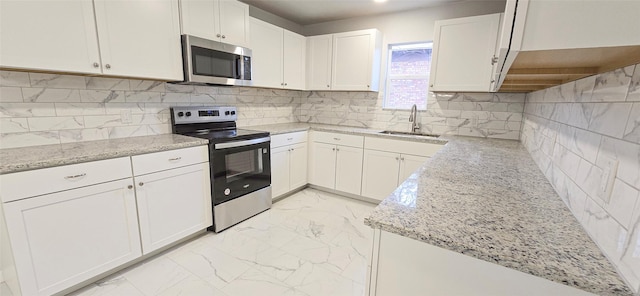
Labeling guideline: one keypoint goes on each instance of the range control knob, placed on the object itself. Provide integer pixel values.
(226, 112)
(233, 112)
(188, 114)
(180, 114)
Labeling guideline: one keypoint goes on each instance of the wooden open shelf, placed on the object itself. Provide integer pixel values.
(535, 70)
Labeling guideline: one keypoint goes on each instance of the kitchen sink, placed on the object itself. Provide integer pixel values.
(408, 134)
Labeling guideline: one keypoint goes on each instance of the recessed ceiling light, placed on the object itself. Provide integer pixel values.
(379, 1)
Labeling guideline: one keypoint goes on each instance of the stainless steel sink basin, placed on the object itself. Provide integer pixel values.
(408, 134)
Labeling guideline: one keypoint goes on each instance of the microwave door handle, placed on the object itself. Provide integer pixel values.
(238, 67)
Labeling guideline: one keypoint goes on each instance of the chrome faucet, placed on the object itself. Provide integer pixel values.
(414, 118)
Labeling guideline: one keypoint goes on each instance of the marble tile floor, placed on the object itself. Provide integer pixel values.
(310, 243)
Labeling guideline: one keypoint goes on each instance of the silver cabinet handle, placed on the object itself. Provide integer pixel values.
(175, 159)
(337, 149)
(75, 176)
(337, 139)
(289, 139)
(218, 35)
(367, 86)
(334, 149)
(107, 66)
(328, 86)
(402, 158)
(285, 84)
(431, 85)
(130, 187)
(494, 60)
(96, 65)
(224, 36)
(141, 184)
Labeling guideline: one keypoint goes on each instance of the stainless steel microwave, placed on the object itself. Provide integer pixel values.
(211, 62)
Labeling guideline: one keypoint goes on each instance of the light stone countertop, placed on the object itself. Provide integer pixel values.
(37, 157)
(487, 199)
(283, 128)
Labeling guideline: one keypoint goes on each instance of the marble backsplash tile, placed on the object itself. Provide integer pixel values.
(40, 109)
(472, 114)
(589, 123)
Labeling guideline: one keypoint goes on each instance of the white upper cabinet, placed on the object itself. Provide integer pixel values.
(278, 59)
(319, 51)
(49, 36)
(221, 20)
(140, 38)
(464, 52)
(136, 38)
(294, 57)
(354, 59)
(266, 47)
(553, 42)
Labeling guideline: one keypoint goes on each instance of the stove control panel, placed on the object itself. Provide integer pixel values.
(184, 115)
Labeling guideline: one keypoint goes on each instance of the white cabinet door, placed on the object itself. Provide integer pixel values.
(198, 18)
(463, 51)
(173, 204)
(64, 238)
(49, 35)
(348, 169)
(140, 38)
(319, 49)
(408, 165)
(294, 60)
(298, 166)
(380, 173)
(356, 58)
(266, 46)
(234, 22)
(322, 171)
(280, 172)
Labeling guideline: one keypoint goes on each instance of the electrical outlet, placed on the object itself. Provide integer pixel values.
(125, 116)
(608, 177)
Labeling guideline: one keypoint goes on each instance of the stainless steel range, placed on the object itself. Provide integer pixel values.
(239, 159)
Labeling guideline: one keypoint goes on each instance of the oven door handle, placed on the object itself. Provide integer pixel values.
(241, 143)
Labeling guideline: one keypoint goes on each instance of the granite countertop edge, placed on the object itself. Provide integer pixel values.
(15, 160)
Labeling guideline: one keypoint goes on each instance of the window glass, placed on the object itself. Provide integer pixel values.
(408, 69)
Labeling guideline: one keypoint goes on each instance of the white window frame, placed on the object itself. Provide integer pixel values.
(390, 77)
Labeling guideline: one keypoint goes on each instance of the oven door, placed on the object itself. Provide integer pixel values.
(239, 168)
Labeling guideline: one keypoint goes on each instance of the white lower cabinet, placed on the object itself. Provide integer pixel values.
(288, 162)
(405, 266)
(388, 162)
(335, 166)
(64, 238)
(68, 224)
(384, 171)
(173, 204)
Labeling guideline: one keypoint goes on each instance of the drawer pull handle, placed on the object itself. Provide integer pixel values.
(72, 177)
(175, 159)
(141, 184)
(289, 139)
(337, 139)
(130, 187)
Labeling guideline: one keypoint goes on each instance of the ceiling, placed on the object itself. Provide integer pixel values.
(306, 12)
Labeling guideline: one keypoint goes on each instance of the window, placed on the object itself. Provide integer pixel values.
(408, 75)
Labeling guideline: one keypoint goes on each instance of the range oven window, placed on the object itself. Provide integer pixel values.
(241, 165)
(209, 62)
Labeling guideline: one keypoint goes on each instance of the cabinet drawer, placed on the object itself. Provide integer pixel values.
(339, 139)
(287, 139)
(400, 146)
(37, 182)
(160, 161)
